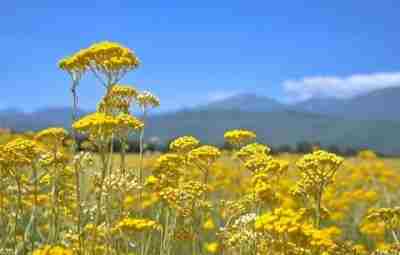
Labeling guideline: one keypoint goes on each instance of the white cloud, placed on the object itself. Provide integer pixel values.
(338, 87)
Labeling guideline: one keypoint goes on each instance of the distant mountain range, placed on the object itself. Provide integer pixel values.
(381, 104)
(20, 121)
(278, 128)
(245, 102)
(367, 121)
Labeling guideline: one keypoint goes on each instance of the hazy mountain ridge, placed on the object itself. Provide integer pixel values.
(371, 120)
(278, 128)
(383, 104)
(245, 102)
(20, 121)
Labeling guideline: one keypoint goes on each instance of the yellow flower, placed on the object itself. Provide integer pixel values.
(126, 122)
(209, 224)
(252, 150)
(146, 99)
(107, 57)
(151, 180)
(317, 170)
(169, 166)
(20, 151)
(367, 154)
(129, 201)
(96, 124)
(239, 137)
(118, 99)
(184, 144)
(136, 225)
(212, 247)
(52, 250)
(204, 155)
(52, 135)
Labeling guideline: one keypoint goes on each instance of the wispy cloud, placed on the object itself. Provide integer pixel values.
(223, 94)
(338, 87)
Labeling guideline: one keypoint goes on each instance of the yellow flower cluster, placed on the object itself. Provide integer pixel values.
(101, 124)
(184, 144)
(123, 91)
(251, 150)
(239, 137)
(126, 122)
(168, 168)
(20, 152)
(318, 169)
(212, 247)
(53, 250)
(291, 231)
(52, 135)
(367, 154)
(389, 216)
(146, 99)
(136, 225)
(103, 56)
(118, 99)
(186, 198)
(96, 124)
(204, 155)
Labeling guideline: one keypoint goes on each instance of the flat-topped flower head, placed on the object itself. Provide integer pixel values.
(74, 63)
(317, 171)
(319, 164)
(121, 90)
(118, 99)
(168, 163)
(96, 124)
(184, 144)
(52, 135)
(110, 59)
(127, 122)
(148, 100)
(262, 163)
(251, 150)
(205, 154)
(168, 169)
(239, 137)
(109, 56)
(21, 151)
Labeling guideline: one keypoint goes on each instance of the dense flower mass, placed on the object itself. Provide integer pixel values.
(20, 152)
(136, 225)
(53, 250)
(83, 194)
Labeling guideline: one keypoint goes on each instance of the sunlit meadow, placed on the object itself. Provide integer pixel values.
(58, 199)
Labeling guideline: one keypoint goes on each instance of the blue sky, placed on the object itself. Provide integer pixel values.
(196, 51)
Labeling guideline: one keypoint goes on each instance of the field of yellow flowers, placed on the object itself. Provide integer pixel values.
(195, 199)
